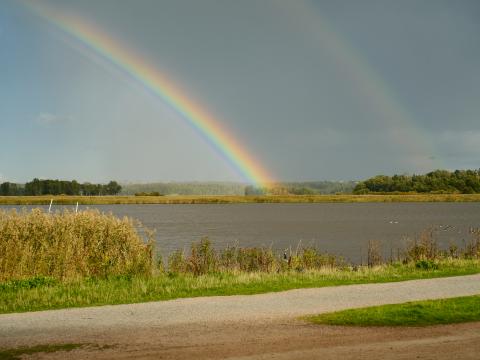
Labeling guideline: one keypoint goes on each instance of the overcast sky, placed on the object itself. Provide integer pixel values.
(313, 89)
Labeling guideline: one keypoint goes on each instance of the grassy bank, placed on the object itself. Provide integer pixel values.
(418, 313)
(62, 260)
(43, 294)
(111, 200)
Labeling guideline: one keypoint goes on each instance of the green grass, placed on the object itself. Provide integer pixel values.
(229, 199)
(17, 353)
(42, 295)
(418, 313)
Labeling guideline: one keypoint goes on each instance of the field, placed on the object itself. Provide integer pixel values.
(227, 199)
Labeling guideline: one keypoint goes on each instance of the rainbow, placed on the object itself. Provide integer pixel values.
(404, 133)
(97, 40)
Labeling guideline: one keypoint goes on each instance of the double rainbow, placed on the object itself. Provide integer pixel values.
(162, 87)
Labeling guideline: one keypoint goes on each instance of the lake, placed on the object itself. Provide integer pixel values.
(340, 228)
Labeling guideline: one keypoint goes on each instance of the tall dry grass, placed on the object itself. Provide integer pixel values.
(67, 245)
(204, 258)
(422, 251)
(374, 253)
(423, 247)
(472, 246)
(234, 199)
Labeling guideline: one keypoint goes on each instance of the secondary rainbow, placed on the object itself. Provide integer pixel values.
(403, 131)
(161, 86)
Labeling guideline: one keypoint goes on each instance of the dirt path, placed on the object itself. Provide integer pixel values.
(251, 327)
(283, 340)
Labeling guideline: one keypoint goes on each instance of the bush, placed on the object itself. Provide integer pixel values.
(472, 247)
(153, 193)
(28, 283)
(426, 265)
(424, 247)
(177, 263)
(256, 259)
(374, 256)
(309, 258)
(203, 258)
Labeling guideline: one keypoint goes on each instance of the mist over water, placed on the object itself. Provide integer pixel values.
(341, 229)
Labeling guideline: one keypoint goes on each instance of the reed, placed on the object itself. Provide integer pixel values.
(66, 259)
(66, 246)
(204, 259)
(423, 247)
(70, 245)
(472, 246)
(374, 253)
(235, 199)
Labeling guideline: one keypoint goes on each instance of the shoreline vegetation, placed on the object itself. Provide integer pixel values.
(36, 294)
(235, 199)
(67, 259)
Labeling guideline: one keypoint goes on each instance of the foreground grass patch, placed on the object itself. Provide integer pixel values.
(418, 313)
(122, 290)
(17, 353)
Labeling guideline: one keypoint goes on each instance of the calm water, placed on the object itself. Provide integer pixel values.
(343, 229)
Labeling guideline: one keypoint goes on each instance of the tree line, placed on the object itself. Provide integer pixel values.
(237, 188)
(58, 187)
(302, 188)
(439, 181)
(185, 188)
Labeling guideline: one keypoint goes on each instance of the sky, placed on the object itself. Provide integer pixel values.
(312, 90)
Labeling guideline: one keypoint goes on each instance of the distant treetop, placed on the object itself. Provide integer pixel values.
(59, 187)
(438, 181)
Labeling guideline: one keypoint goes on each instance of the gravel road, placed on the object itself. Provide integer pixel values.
(124, 324)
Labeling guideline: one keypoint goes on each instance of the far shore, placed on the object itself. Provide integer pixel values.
(235, 199)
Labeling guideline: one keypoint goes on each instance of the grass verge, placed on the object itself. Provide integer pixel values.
(43, 295)
(17, 353)
(418, 313)
(237, 199)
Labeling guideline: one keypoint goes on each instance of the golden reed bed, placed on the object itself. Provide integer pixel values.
(227, 199)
